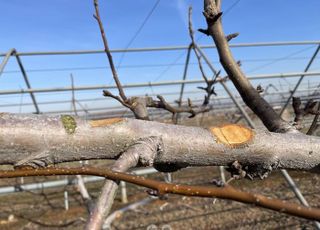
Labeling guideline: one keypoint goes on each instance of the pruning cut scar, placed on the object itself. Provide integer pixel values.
(232, 135)
(105, 122)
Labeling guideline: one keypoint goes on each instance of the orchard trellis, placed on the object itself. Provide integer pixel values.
(157, 145)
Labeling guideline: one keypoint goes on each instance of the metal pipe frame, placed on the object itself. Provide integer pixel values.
(300, 79)
(5, 60)
(184, 76)
(148, 84)
(165, 94)
(26, 80)
(167, 48)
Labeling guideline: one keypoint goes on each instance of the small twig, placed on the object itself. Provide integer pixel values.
(107, 51)
(232, 36)
(163, 104)
(226, 192)
(209, 89)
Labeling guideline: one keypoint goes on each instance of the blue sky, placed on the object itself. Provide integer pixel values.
(38, 25)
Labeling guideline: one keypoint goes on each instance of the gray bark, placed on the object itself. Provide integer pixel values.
(40, 140)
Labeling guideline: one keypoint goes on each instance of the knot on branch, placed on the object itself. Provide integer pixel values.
(211, 14)
(148, 148)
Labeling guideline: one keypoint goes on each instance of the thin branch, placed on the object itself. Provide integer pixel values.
(107, 51)
(160, 188)
(192, 110)
(209, 89)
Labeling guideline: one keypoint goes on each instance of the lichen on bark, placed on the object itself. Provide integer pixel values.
(69, 123)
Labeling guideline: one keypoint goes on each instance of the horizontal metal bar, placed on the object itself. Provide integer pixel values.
(147, 84)
(167, 48)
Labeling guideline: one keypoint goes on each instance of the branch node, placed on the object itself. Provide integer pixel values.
(232, 36)
(204, 31)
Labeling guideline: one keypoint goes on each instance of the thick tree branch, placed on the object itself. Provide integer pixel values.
(225, 192)
(39, 140)
(250, 96)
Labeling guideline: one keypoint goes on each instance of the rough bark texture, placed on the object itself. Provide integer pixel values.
(40, 140)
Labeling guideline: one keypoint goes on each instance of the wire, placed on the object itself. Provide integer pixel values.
(67, 69)
(230, 8)
(226, 12)
(279, 59)
(138, 31)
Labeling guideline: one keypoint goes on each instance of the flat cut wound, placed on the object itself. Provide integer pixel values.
(105, 122)
(232, 135)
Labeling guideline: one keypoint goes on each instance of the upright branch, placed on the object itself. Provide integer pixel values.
(138, 105)
(209, 89)
(250, 96)
(107, 51)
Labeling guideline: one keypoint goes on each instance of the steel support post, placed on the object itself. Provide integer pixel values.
(6, 59)
(184, 77)
(25, 77)
(297, 192)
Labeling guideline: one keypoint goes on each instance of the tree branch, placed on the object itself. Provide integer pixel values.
(250, 96)
(142, 152)
(209, 89)
(40, 140)
(225, 192)
(107, 51)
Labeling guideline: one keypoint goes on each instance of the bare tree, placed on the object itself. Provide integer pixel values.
(32, 143)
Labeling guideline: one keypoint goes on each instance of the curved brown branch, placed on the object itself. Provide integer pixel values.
(226, 192)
